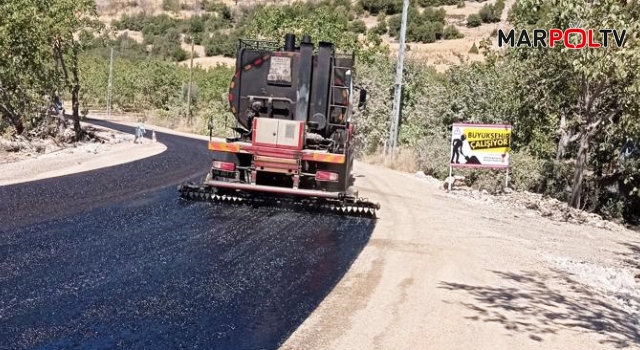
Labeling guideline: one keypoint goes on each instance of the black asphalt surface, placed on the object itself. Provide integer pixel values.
(112, 258)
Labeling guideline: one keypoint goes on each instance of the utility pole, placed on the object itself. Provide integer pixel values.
(191, 73)
(397, 98)
(190, 83)
(109, 85)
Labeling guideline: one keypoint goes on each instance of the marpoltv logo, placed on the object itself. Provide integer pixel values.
(552, 37)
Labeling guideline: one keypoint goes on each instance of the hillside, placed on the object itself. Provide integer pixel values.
(441, 54)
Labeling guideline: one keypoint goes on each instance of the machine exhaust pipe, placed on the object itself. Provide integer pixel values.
(304, 79)
(290, 42)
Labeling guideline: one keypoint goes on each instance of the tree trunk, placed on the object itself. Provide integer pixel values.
(562, 144)
(15, 120)
(76, 115)
(578, 174)
(75, 90)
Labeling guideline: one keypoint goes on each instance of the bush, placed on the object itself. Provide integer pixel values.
(376, 6)
(195, 25)
(474, 20)
(394, 24)
(171, 5)
(489, 14)
(358, 9)
(126, 22)
(431, 15)
(452, 32)
(381, 28)
(358, 26)
(474, 49)
(461, 4)
(220, 44)
(168, 47)
(222, 10)
(427, 3)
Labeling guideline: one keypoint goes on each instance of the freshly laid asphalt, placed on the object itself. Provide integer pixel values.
(112, 258)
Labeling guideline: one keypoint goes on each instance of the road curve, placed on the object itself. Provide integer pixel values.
(111, 258)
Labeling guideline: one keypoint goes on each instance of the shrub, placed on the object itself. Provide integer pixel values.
(431, 15)
(452, 32)
(427, 3)
(461, 4)
(424, 32)
(225, 12)
(171, 5)
(358, 26)
(394, 24)
(168, 47)
(489, 14)
(358, 9)
(376, 6)
(380, 29)
(474, 49)
(195, 25)
(474, 20)
(220, 44)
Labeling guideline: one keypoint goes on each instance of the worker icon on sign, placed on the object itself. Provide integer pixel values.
(457, 149)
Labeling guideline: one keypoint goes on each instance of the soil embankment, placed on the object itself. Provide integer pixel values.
(115, 148)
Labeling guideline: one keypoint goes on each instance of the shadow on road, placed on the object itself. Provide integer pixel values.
(537, 307)
(632, 257)
(158, 273)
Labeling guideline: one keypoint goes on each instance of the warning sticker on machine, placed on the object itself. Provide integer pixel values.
(280, 70)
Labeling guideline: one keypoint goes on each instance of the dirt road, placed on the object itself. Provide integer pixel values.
(443, 273)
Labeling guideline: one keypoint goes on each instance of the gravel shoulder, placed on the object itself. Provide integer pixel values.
(20, 168)
(444, 271)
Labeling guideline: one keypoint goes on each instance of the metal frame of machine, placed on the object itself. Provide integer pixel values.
(295, 145)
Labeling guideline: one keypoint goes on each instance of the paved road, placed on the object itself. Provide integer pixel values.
(111, 258)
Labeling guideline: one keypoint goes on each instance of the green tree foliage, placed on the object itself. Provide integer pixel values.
(428, 3)
(26, 62)
(426, 27)
(68, 18)
(381, 28)
(474, 20)
(323, 21)
(598, 87)
(171, 5)
(221, 44)
(40, 56)
(452, 32)
(491, 13)
(358, 26)
(377, 6)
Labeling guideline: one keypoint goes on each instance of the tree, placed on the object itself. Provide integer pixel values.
(599, 86)
(66, 18)
(474, 20)
(26, 62)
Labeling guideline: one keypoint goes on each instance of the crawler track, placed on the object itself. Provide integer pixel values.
(354, 207)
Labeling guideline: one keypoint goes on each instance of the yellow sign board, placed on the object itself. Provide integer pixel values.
(480, 145)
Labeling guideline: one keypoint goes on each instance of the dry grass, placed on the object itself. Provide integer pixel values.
(151, 118)
(209, 62)
(137, 36)
(404, 160)
(197, 49)
(441, 55)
